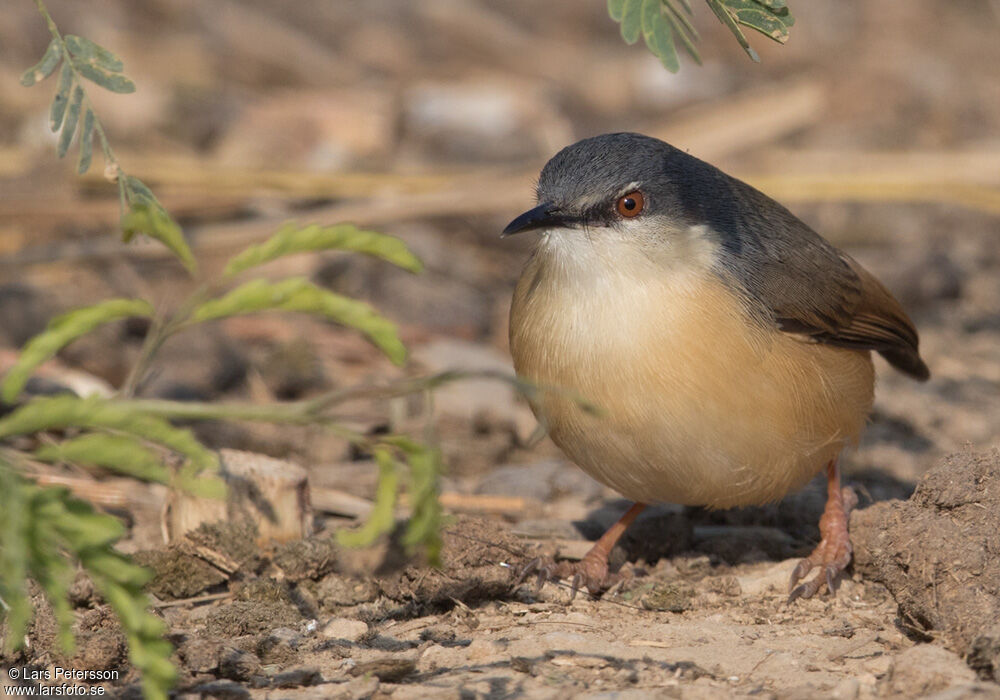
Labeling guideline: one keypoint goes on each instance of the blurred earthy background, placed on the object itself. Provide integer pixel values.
(878, 124)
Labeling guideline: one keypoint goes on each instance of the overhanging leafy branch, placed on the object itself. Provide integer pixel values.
(661, 23)
(82, 59)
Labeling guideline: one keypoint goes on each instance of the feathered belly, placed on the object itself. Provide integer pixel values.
(701, 404)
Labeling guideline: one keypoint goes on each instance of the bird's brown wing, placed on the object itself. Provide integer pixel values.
(874, 321)
(808, 286)
(814, 289)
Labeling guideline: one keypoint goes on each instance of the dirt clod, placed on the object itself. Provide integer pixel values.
(245, 617)
(279, 647)
(336, 591)
(388, 669)
(201, 655)
(984, 656)
(926, 669)
(101, 642)
(263, 590)
(177, 574)
(471, 556)
(344, 628)
(236, 539)
(82, 593)
(937, 553)
(669, 597)
(727, 585)
(238, 665)
(297, 677)
(311, 558)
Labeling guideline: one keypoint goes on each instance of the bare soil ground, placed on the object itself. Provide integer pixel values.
(710, 620)
(886, 93)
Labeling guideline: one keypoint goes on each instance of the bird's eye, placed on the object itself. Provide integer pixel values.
(630, 204)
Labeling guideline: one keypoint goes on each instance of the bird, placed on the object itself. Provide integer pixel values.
(725, 344)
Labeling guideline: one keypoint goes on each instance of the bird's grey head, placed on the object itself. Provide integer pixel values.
(626, 183)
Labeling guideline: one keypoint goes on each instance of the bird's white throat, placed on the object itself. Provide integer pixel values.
(638, 251)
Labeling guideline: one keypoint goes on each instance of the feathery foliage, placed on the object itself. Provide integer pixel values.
(382, 517)
(45, 534)
(125, 454)
(664, 23)
(299, 294)
(423, 529)
(62, 331)
(147, 217)
(84, 61)
(293, 238)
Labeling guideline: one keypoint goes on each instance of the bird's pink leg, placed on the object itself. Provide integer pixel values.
(833, 553)
(590, 572)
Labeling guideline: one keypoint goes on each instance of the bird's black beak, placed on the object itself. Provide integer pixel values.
(545, 215)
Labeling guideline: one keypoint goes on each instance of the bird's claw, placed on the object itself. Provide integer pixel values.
(535, 566)
(832, 555)
(808, 589)
(590, 573)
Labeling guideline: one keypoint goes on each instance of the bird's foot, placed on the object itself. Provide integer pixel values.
(590, 573)
(833, 553)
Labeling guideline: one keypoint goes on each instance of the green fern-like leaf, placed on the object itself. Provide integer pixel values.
(631, 21)
(82, 58)
(14, 555)
(679, 18)
(86, 51)
(63, 330)
(424, 527)
(91, 536)
(86, 143)
(47, 565)
(658, 35)
(109, 81)
(97, 64)
(61, 98)
(763, 16)
(662, 23)
(293, 238)
(147, 217)
(42, 532)
(299, 294)
(768, 17)
(69, 123)
(381, 519)
(124, 454)
(43, 69)
(60, 412)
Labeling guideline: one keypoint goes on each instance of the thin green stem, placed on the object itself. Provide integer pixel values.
(160, 330)
(316, 410)
(156, 336)
(125, 195)
(301, 412)
(293, 412)
(122, 195)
